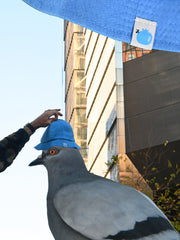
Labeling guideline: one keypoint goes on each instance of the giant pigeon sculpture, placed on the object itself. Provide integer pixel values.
(117, 19)
(84, 206)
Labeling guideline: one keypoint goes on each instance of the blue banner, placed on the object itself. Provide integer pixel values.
(116, 18)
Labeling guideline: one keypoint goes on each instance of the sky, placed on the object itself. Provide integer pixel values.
(31, 70)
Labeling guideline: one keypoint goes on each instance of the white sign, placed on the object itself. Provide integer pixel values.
(143, 33)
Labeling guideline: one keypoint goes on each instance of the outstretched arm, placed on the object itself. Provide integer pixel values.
(11, 145)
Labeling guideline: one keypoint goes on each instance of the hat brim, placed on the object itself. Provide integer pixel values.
(60, 143)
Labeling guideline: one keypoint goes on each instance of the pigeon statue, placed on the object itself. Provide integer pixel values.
(84, 206)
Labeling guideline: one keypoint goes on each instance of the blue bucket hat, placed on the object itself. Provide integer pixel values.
(58, 133)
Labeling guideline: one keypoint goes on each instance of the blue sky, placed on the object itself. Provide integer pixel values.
(31, 69)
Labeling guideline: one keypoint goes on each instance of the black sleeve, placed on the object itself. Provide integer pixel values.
(10, 146)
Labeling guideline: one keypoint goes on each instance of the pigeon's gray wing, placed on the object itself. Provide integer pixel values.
(107, 210)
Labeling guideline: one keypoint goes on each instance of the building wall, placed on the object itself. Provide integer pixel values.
(75, 99)
(152, 110)
(152, 100)
(105, 105)
(101, 97)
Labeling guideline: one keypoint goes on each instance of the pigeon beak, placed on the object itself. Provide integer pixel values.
(37, 161)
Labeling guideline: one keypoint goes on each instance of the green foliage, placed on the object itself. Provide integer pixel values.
(166, 192)
(112, 162)
(168, 200)
(167, 195)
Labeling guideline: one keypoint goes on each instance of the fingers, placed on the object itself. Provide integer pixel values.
(46, 118)
(55, 112)
(53, 115)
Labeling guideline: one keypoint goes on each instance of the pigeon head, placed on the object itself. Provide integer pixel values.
(63, 166)
(58, 156)
(47, 156)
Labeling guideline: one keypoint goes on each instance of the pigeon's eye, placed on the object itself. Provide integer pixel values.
(52, 152)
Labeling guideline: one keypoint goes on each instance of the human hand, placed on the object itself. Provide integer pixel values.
(46, 118)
